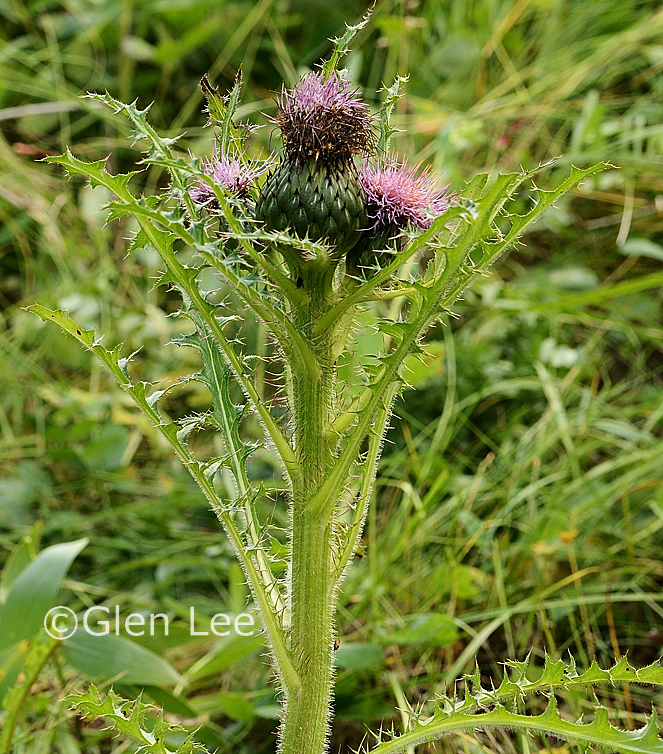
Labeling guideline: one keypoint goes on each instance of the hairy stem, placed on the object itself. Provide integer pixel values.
(305, 726)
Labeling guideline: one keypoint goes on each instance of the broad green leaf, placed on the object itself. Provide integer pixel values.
(114, 657)
(236, 706)
(22, 554)
(168, 701)
(358, 656)
(642, 247)
(11, 663)
(230, 651)
(437, 630)
(32, 593)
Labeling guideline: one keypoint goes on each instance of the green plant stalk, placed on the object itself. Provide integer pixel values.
(306, 720)
(313, 387)
(41, 650)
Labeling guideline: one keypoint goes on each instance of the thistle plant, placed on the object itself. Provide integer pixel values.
(336, 228)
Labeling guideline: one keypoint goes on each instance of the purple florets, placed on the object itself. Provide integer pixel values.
(324, 120)
(397, 197)
(234, 174)
(312, 92)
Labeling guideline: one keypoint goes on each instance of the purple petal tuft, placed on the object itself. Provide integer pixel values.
(234, 174)
(313, 93)
(324, 120)
(397, 196)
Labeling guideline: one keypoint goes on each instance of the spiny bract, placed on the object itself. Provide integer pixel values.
(315, 201)
(315, 191)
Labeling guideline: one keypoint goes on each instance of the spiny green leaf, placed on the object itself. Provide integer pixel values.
(392, 95)
(342, 44)
(441, 291)
(599, 732)
(135, 719)
(225, 415)
(141, 241)
(651, 674)
(279, 238)
(468, 712)
(118, 367)
(216, 107)
(139, 208)
(189, 424)
(395, 330)
(221, 111)
(97, 173)
(256, 564)
(229, 132)
(159, 145)
(557, 675)
(87, 338)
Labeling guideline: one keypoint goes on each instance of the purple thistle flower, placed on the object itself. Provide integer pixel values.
(313, 92)
(324, 120)
(233, 174)
(397, 197)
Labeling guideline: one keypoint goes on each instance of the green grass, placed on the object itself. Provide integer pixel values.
(522, 493)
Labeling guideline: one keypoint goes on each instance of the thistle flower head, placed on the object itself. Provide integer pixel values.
(233, 173)
(324, 120)
(397, 196)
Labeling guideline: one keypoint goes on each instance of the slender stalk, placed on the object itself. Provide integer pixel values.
(350, 539)
(306, 722)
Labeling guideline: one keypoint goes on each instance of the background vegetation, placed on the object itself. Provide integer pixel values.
(520, 504)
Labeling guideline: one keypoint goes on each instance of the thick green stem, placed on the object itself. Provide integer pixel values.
(308, 709)
(306, 721)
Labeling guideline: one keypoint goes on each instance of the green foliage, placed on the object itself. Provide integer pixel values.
(599, 732)
(36, 657)
(133, 718)
(391, 96)
(342, 43)
(243, 534)
(32, 593)
(481, 708)
(108, 657)
(221, 111)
